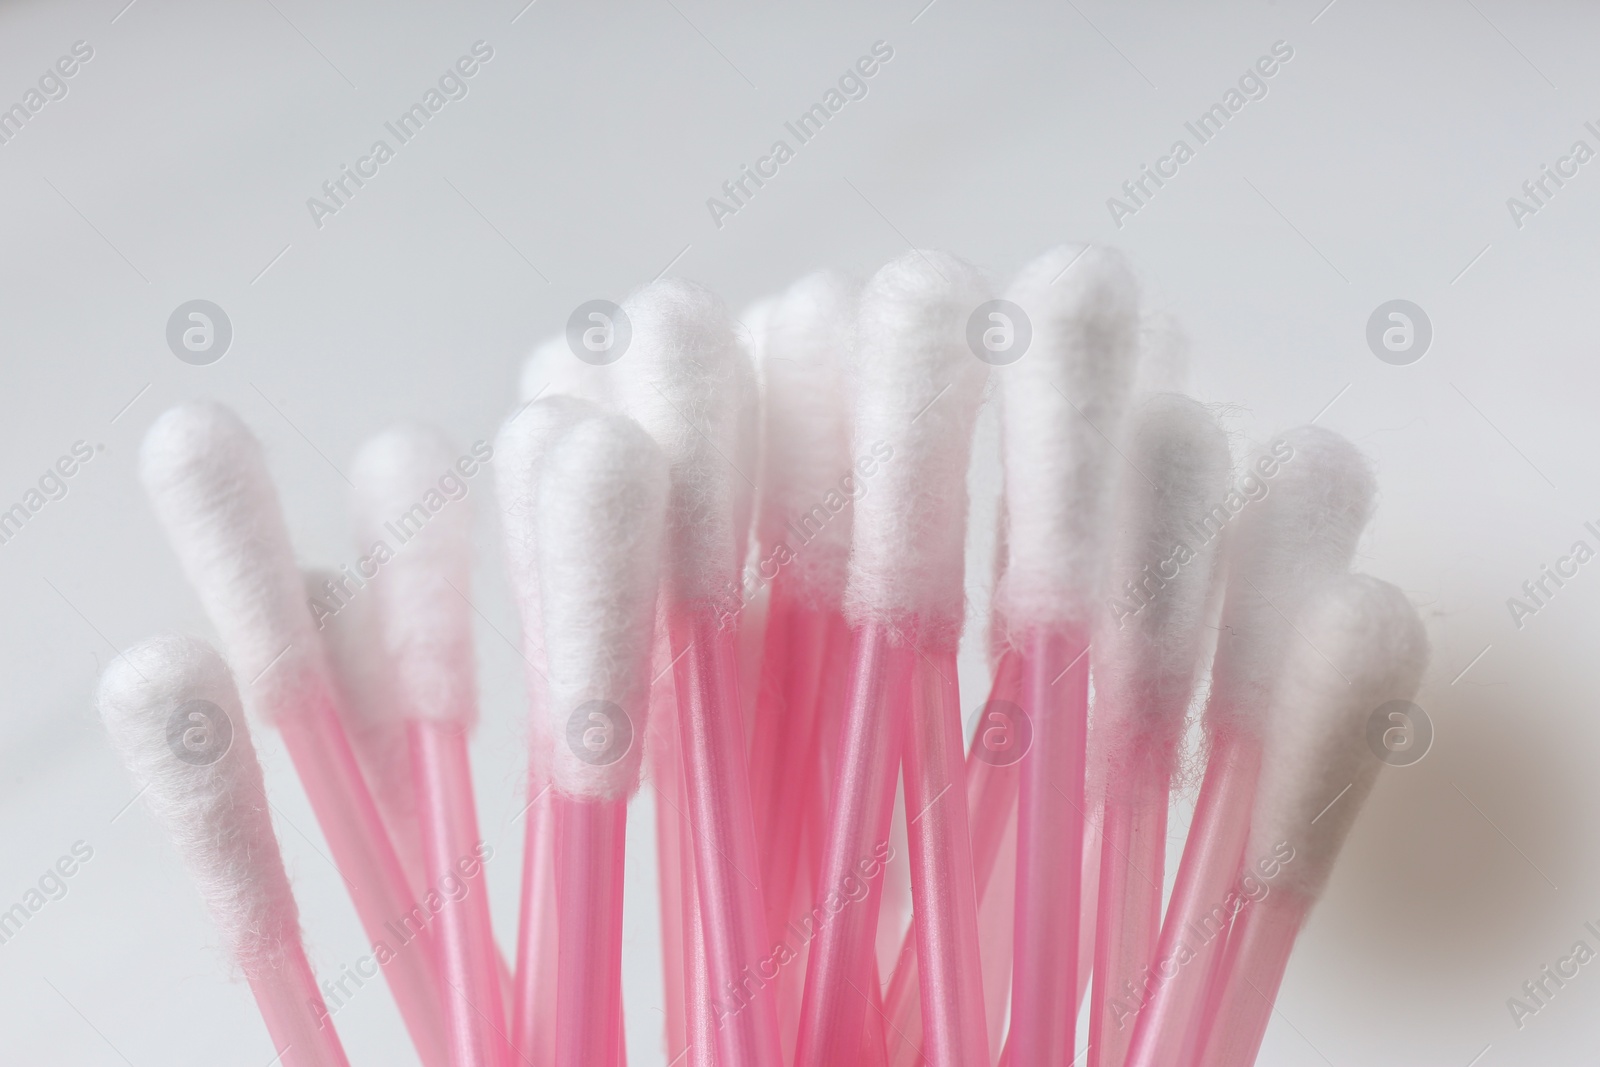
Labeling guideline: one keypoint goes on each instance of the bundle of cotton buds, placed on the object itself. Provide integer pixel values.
(702, 517)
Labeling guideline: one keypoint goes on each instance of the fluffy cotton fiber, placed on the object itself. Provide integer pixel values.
(808, 336)
(1283, 547)
(601, 514)
(1064, 406)
(519, 452)
(212, 804)
(204, 473)
(1161, 576)
(1362, 646)
(918, 386)
(681, 380)
(423, 612)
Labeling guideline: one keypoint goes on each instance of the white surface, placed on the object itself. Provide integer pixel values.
(1377, 167)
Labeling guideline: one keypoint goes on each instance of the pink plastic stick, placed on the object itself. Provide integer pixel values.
(690, 1022)
(1086, 922)
(533, 1004)
(1169, 1023)
(840, 968)
(732, 913)
(1088, 906)
(664, 775)
(1133, 849)
(996, 919)
(297, 1019)
(371, 870)
(590, 855)
(874, 1052)
(1249, 975)
(782, 750)
(700, 999)
(468, 960)
(991, 806)
(945, 910)
(1050, 824)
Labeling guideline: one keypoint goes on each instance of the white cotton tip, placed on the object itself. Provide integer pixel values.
(173, 714)
(918, 387)
(207, 480)
(807, 483)
(601, 516)
(1163, 355)
(681, 380)
(553, 370)
(1161, 577)
(410, 496)
(1363, 646)
(1064, 404)
(1299, 508)
(520, 449)
(364, 676)
(747, 444)
(751, 327)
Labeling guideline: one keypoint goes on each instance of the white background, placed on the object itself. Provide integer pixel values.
(1377, 167)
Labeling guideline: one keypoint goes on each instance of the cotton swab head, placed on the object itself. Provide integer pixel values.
(1161, 576)
(519, 456)
(408, 493)
(1301, 505)
(601, 512)
(1362, 646)
(173, 714)
(205, 475)
(1064, 405)
(747, 442)
(807, 480)
(519, 453)
(918, 387)
(681, 380)
(755, 320)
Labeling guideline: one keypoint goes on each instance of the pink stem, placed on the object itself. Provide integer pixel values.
(832, 704)
(1087, 915)
(724, 841)
(945, 911)
(874, 1051)
(297, 1019)
(991, 804)
(468, 959)
(1249, 975)
(1088, 904)
(690, 1015)
(840, 968)
(1086, 920)
(996, 919)
(1132, 857)
(781, 750)
(666, 772)
(903, 1003)
(534, 997)
(1199, 912)
(691, 1020)
(700, 998)
(590, 855)
(1050, 824)
(371, 870)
